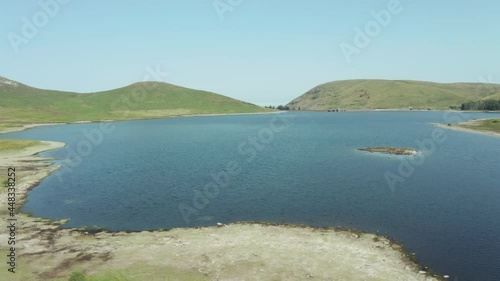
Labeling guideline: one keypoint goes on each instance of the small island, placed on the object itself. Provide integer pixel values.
(390, 150)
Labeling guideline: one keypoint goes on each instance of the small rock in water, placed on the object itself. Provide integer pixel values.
(446, 276)
(220, 224)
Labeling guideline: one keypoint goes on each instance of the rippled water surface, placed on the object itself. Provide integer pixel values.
(301, 168)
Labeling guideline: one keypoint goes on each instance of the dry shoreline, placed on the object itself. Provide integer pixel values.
(34, 125)
(459, 127)
(232, 252)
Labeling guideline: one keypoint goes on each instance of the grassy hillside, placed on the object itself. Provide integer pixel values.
(388, 94)
(21, 104)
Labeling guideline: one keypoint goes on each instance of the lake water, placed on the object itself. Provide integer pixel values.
(300, 168)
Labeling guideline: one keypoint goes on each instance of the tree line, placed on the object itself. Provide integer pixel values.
(481, 105)
(282, 107)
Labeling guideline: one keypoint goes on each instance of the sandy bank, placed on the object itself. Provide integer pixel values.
(29, 169)
(468, 127)
(26, 127)
(18, 155)
(232, 252)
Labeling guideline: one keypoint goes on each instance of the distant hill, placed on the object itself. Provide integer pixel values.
(20, 103)
(392, 94)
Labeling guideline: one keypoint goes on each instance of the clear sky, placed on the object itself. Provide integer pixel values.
(261, 51)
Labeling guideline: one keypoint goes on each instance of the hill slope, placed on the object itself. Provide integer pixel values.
(388, 94)
(20, 103)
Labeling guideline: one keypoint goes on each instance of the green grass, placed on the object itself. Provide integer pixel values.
(3, 182)
(6, 145)
(490, 125)
(22, 104)
(139, 273)
(392, 94)
(9, 145)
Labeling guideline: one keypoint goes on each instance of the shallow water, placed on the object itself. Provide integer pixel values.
(302, 168)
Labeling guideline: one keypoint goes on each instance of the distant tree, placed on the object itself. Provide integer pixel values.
(491, 105)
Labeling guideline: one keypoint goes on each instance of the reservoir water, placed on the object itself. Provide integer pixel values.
(297, 167)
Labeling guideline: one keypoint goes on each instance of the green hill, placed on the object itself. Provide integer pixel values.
(22, 104)
(388, 94)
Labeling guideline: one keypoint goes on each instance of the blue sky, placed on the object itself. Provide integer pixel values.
(261, 51)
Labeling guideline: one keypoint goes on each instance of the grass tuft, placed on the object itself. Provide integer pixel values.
(6, 145)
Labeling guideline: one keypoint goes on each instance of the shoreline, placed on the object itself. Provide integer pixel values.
(459, 127)
(25, 127)
(30, 166)
(53, 252)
